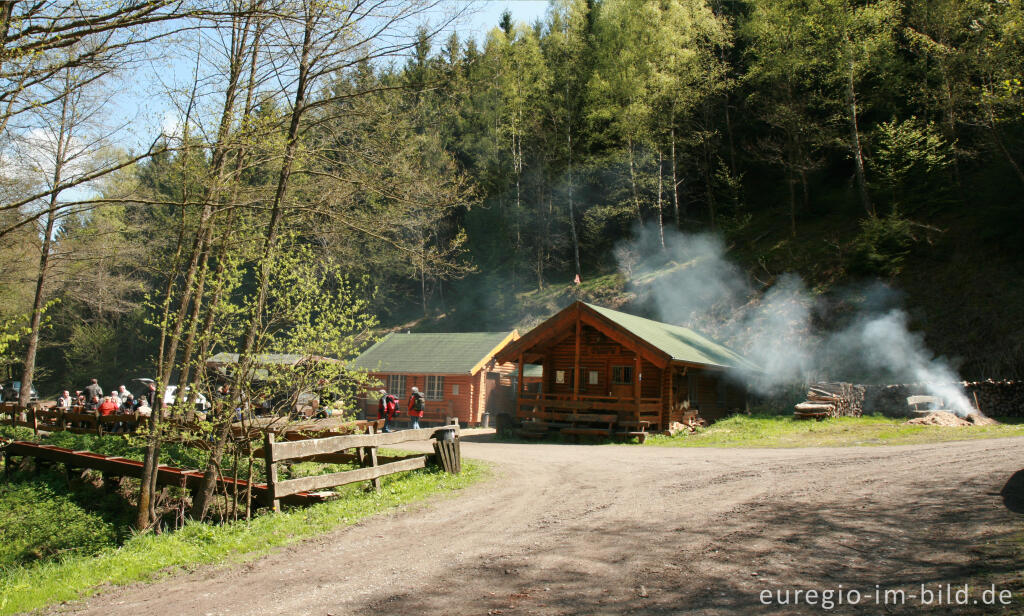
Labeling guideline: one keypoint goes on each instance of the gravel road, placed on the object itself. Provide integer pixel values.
(578, 529)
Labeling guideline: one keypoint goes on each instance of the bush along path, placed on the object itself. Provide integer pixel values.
(67, 534)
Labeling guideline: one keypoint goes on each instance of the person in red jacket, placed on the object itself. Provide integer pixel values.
(108, 406)
(387, 408)
(416, 407)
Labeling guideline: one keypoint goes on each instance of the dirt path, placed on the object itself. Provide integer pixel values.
(567, 529)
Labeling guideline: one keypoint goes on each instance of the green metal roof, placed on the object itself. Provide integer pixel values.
(455, 353)
(283, 359)
(679, 343)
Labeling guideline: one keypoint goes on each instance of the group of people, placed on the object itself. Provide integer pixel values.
(388, 409)
(118, 401)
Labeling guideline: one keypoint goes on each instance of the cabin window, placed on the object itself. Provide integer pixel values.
(592, 377)
(396, 384)
(435, 388)
(622, 375)
(455, 389)
(560, 377)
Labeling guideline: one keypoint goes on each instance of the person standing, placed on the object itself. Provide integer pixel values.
(387, 408)
(416, 407)
(150, 396)
(64, 401)
(93, 390)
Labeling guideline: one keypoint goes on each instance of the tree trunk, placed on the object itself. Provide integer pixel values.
(661, 177)
(59, 155)
(28, 374)
(791, 183)
(855, 146)
(204, 496)
(572, 209)
(675, 182)
(632, 181)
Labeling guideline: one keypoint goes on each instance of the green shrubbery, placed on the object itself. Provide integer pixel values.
(38, 521)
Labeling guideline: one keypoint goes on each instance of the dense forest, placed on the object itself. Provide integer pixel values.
(328, 179)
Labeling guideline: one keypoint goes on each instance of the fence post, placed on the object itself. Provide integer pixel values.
(375, 482)
(268, 457)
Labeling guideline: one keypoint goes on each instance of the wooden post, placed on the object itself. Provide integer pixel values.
(671, 396)
(370, 459)
(268, 456)
(636, 383)
(520, 388)
(576, 361)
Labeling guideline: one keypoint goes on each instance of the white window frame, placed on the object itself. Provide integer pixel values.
(434, 388)
(396, 385)
(455, 389)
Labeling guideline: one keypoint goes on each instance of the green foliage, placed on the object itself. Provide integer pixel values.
(908, 158)
(144, 557)
(883, 245)
(785, 431)
(38, 522)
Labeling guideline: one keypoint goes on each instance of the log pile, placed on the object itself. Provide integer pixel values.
(687, 422)
(831, 400)
(994, 398)
(997, 398)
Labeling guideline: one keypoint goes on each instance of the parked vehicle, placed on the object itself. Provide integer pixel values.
(170, 394)
(12, 391)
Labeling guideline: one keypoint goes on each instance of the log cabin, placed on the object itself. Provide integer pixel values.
(456, 372)
(607, 364)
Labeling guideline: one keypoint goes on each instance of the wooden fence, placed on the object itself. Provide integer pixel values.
(331, 449)
(76, 420)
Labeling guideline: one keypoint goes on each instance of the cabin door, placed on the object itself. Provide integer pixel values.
(621, 381)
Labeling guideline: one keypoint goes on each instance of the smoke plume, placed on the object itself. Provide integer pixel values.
(793, 335)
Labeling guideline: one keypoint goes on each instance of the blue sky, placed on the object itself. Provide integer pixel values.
(486, 14)
(145, 111)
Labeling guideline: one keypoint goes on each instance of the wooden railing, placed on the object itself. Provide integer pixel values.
(76, 419)
(446, 449)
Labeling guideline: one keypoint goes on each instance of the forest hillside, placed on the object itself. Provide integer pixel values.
(850, 156)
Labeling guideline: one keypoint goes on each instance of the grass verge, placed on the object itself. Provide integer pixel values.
(145, 557)
(784, 431)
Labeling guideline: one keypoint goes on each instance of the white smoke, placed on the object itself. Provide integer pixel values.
(792, 334)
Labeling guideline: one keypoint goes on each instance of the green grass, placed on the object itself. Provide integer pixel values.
(784, 431)
(65, 542)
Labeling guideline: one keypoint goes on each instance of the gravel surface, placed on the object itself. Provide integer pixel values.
(578, 529)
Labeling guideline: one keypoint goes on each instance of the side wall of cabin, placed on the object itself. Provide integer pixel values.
(451, 404)
(708, 391)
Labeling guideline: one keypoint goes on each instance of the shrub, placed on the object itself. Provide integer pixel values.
(38, 521)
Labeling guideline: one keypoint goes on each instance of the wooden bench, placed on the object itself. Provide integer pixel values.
(587, 424)
(931, 403)
(630, 429)
(108, 424)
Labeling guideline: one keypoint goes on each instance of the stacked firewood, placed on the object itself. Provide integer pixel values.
(997, 398)
(832, 400)
(689, 422)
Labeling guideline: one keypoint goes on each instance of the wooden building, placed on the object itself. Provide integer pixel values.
(597, 360)
(457, 373)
